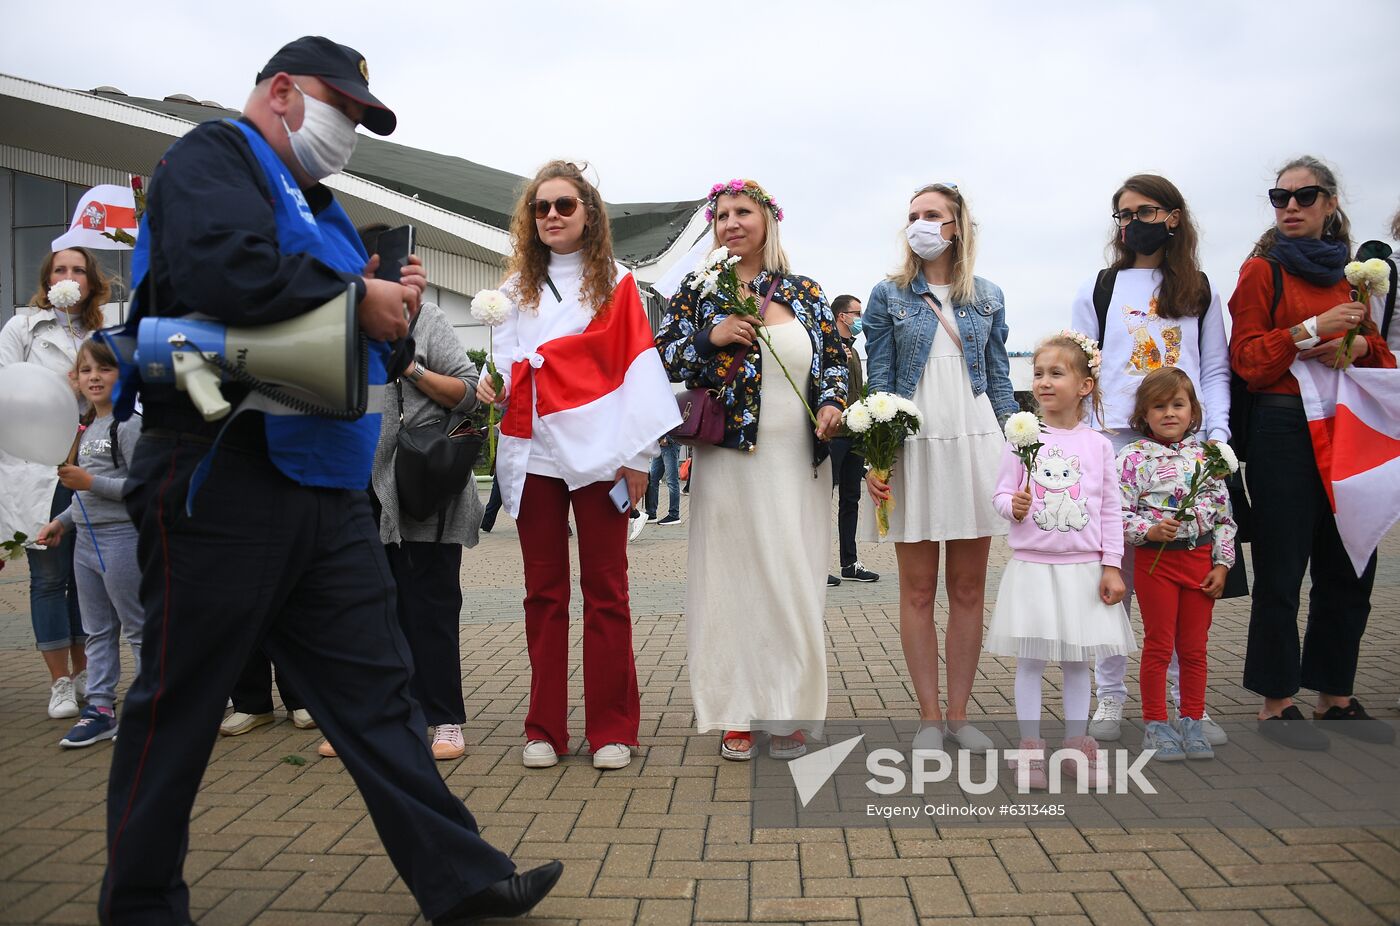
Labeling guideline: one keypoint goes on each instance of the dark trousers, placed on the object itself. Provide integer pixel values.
(252, 692)
(1294, 533)
(428, 576)
(848, 475)
(668, 464)
(612, 706)
(493, 506)
(303, 569)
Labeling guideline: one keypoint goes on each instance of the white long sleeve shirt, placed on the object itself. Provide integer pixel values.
(1136, 341)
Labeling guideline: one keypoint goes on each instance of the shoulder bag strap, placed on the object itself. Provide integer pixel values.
(739, 355)
(943, 320)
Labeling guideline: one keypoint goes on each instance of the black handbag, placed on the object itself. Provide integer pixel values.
(433, 463)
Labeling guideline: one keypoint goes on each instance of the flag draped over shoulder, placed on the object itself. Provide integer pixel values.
(596, 399)
(1354, 421)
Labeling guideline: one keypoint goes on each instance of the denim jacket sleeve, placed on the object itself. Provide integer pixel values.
(999, 365)
(879, 341)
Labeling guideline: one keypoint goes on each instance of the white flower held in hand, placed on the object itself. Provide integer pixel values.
(490, 307)
(65, 294)
(1227, 453)
(858, 418)
(882, 406)
(1022, 429)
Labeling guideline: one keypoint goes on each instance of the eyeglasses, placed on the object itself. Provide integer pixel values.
(1306, 196)
(1142, 213)
(564, 205)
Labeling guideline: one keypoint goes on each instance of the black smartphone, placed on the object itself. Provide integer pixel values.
(393, 247)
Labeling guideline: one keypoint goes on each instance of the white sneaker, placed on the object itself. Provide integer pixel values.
(1214, 733)
(539, 754)
(301, 719)
(448, 742)
(1106, 727)
(613, 755)
(238, 723)
(62, 703)
(638, 523)
(80, 685)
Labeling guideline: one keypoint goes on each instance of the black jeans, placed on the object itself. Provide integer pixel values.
(1294, 531)
(430, 610)
(304, 570)
(848, 475)
(252, 693)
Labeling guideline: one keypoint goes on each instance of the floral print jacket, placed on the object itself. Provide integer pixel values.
(684, 342)
(1155, 477)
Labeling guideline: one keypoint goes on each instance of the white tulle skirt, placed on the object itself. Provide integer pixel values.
(1054, 613)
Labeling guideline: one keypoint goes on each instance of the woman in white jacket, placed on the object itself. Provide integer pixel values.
(50, 336)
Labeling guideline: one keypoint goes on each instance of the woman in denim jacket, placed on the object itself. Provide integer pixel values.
(944, 478)
(760, 502)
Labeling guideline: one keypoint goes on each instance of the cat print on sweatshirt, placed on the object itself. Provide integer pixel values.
(1057, 484)
(1146, 356)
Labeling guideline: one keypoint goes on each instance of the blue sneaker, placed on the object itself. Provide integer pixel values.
(1160, 736)
(93, 726)
(1193, 740)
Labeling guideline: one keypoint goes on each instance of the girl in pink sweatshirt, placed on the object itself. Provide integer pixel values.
(1059, 594)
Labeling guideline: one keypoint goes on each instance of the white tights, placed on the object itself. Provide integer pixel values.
(1029, 673)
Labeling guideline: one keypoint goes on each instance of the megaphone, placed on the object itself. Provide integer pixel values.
(315, 364)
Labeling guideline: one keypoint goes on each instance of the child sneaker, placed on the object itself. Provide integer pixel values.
(1106, 727)
(1096, 776)
(1214, 733)
(62, 702)
(448, 742)
(96, 725)
(1160, 736)
(1033, 770)
(1193, 740)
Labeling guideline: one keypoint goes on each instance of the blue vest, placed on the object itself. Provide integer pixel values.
(310, 450)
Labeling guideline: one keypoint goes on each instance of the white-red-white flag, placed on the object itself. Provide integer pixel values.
(104, 208)
(1354, 420)
(597, 399)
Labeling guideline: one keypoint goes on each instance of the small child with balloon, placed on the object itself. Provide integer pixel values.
(104, 556)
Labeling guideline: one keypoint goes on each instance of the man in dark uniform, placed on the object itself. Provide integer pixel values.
(280, 547)
(847, 465)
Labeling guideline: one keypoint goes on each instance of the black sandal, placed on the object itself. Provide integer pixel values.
(1358, 724)
(1292, 729)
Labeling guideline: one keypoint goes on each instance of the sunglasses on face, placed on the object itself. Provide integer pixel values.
(1306, 196)
(564, 205)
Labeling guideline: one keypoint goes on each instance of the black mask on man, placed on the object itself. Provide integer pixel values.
(1146, 237)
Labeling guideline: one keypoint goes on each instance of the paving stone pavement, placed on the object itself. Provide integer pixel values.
(668, 840)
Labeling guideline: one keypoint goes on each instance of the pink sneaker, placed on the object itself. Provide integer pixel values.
(1034, 771)
(1096, 777)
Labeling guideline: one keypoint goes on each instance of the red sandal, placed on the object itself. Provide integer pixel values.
(737, 736)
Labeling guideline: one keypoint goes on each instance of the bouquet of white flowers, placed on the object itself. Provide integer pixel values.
(880, 423)
(490, 307)
(1370, 278)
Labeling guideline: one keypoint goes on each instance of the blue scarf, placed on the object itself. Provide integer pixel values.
(1319, 261)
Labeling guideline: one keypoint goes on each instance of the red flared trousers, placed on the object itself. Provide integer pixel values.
(612, 704)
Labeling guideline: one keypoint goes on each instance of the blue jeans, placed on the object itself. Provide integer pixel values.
(668, 461)
(53, 592)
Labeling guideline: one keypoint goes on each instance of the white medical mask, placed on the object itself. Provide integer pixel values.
(326, 139)
(926, 238)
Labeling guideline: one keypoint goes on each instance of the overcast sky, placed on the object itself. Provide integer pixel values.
(1036, 110)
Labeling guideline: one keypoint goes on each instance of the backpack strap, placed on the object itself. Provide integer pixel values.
(1103, 294)
(1201, 319)
(1389, 301)
(118, 460)
(1277, 269)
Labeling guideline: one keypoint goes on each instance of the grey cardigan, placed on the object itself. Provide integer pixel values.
(437, 349)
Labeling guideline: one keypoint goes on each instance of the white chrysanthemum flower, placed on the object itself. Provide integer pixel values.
(716, 257)
(1227, 453)
(65, 294)
(858, 418)
(490, 307)
(907, 406)
(1022, 429)
(1355, 273)
(731, 261)
(882, 406)
(1378, 274)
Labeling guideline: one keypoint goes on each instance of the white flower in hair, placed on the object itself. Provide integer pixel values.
(65, 294)
(1022, 429)
(490, 307)
(882, 406)
(1086, 344)
(858, 418)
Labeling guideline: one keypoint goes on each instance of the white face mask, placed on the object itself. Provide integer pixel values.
(926, 238)
(326, 139)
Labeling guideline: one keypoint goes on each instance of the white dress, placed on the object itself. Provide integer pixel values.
(760, 528)
(945, 475)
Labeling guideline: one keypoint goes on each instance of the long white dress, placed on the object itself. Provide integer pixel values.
(760, 528)
(945, 475)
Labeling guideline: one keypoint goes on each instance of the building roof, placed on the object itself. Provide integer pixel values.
(642, 232)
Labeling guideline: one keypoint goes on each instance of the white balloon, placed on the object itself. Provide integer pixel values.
(38, 413)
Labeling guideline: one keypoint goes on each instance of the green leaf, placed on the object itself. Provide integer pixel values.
(294, 760)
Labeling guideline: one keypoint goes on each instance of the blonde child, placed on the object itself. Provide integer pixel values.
(1059, 594)
(104, 557)
(1177, 595)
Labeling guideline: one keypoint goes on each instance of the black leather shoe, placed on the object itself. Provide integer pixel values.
(1353, 721)
(513, 896)
(1292, 730)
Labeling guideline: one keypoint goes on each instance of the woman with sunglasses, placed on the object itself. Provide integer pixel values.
(586, 399)
(1158, 310)
(760, 502)
(936, 334)
(1294, 528)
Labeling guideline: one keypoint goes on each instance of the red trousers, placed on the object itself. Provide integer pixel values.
(1175, 615)
(612, 704)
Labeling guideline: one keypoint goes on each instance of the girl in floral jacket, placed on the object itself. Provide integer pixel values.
(1177, 592)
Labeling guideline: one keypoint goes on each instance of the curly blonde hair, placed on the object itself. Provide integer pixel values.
(530, 257)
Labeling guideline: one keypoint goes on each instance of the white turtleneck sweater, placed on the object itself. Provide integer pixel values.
(524, 331)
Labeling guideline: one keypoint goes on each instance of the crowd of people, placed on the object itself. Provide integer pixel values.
(300, 560)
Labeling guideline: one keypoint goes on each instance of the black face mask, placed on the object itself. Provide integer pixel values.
(1146, 237)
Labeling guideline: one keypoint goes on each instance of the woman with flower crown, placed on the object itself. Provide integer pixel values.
(759, 500)
(936, 334)
(67, 309)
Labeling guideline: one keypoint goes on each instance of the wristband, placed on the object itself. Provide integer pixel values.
(416, 374)
(1312, 340)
